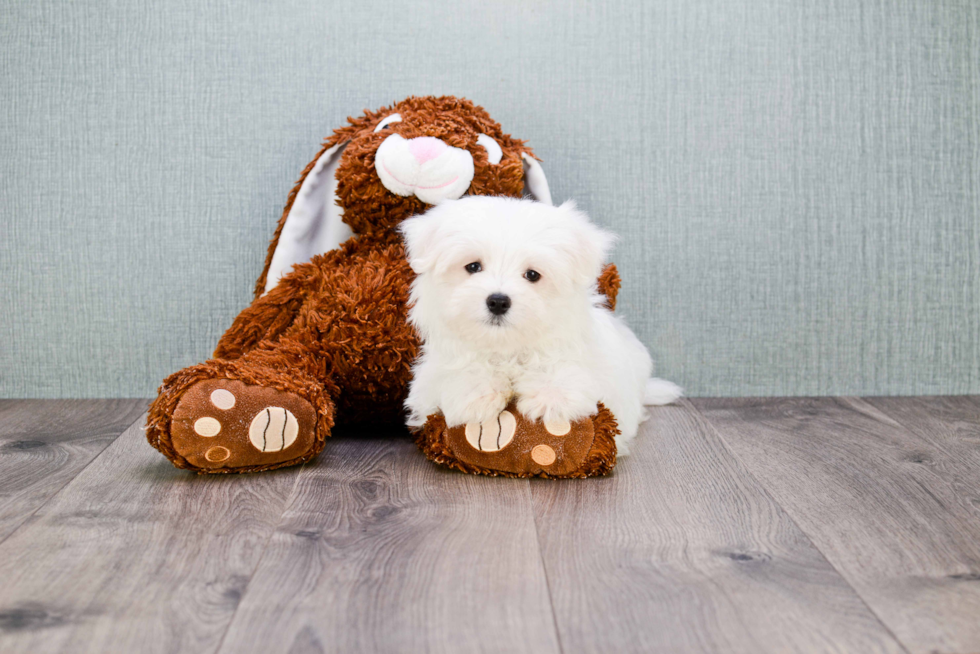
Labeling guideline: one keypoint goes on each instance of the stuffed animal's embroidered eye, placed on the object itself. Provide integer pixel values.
(532, 275)
(494, 153)
(474, 267)
(386, 122)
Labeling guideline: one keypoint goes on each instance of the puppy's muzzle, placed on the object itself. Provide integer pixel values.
(498, 304)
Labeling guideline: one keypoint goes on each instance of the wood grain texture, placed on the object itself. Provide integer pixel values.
(44, 444)
(951, 424)
(804, 525)
(136, 556)
(886, 506)
(382, 551)
(682, 551)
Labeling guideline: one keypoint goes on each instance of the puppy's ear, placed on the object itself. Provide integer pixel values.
(589, 246)
(422, 235)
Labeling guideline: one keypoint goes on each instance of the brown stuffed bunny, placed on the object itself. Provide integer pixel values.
(326, 338)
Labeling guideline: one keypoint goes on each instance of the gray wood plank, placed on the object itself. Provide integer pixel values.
(45, 443)
(951, 424)
(136, 556)
(883, 504)
(681, 550)
(383, 551)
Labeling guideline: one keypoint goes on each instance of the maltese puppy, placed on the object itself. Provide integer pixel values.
(506, 305)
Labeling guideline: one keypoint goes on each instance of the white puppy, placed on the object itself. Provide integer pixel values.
(505, 302)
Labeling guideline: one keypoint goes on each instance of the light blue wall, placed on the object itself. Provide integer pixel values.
(796, 181)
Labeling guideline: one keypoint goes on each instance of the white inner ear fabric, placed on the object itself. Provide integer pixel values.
(315, 223)
(535, 181)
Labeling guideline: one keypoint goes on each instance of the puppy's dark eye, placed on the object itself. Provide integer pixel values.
(532, 276)
(474, 267)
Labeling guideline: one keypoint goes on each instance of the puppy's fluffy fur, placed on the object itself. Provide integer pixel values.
(557, 348)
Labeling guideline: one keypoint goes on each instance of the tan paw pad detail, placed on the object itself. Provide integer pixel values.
(273, 430)
(543, 455)
(207, 427)
(223, 399)
(217, 454)
(492, 435)
(558, 428)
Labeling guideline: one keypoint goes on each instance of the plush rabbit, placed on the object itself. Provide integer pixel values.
(326, 339)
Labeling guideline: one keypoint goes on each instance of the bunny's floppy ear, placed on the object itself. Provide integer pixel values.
(535, 182)
(313, 223)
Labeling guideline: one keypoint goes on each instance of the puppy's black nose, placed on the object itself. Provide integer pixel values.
(498, 303)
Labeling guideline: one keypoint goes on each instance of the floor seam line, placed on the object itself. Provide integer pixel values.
(544, 567)
(265, 548)
(73, 478)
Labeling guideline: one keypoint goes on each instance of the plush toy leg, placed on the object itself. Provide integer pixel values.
(268, 317)
(512, 446)
(229, 416)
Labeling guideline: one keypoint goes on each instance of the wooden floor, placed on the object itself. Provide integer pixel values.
(737, 525)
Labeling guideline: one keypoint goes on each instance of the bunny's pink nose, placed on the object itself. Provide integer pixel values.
(426, 148)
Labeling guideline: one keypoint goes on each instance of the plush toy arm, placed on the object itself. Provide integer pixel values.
(267, 317)
(608, 284)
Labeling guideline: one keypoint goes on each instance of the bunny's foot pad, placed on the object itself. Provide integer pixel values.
(224, 425)
(513, 446)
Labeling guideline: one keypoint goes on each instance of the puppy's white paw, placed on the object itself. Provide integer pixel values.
(480, 409)
(553, 405)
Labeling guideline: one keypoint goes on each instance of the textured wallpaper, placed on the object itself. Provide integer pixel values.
(795, 181)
